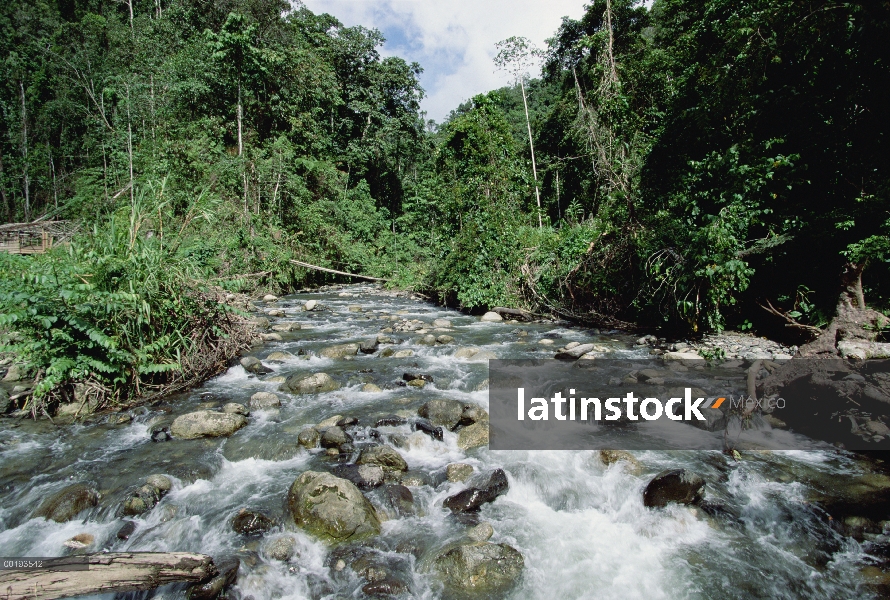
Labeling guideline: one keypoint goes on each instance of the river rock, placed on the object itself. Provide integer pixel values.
(263, 400)
(385, 588)
(473, 436)
(674, 485)
(610, 457)
(334, 437)
(286, 327)
(479, 569)
(80, 541)
(444, 339)
(249, 522)
(128, 528)
(442, 323)
(400, 499)
(472, 499)
(65, 504)
(403, 354)
(442, 411)
(252, 364)
(481, 532)
(369, 346)
(576, 352)
(310, 304)
(235, 409)
(162, 483)
(308, 437)
(366, 477)
(206, 423)
(426, 427)
(260, 322)
(280, 357)
(329, 422)
(491, 317)
(384, 456)
(457, 472)
(270, 298)
(282, 548)
(472, 414)
(331, 508)
(5, 403)
(309, 384)
(15, 372)
(339, 351)
(371, 388)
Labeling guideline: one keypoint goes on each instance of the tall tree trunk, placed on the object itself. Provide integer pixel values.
(531, 146)
(241, 153)
(25, 180)
(6, 207)
(130, 148)
(52, 169)
(613, 70)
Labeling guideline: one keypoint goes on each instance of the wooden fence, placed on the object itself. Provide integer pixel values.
(36, 237)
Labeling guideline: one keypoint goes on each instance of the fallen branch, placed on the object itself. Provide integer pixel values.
(326, 270)
(790, 321)
(106, 573)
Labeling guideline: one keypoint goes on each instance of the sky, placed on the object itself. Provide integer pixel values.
(453, 40)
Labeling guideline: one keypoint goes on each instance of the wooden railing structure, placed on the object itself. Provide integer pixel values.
(35, 237)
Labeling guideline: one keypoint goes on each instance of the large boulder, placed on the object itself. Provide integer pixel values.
(384, 456)
(472, 499)
(65, 504)
(309, 384)
(479, 569)
(206, 423)
(674, 485)
(331, 508)
(491, 317)
(340, 351)
(442, 411)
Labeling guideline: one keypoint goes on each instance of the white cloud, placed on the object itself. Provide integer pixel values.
(454, 41)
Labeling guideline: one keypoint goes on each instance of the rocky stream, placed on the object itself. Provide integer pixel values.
(347, 457)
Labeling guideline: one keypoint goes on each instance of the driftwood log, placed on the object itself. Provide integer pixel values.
(306, 265)
(112, 572)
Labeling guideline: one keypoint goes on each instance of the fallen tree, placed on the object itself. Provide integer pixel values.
(105, 573)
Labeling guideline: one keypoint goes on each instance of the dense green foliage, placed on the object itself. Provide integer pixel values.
(693, 159)
(114, 308)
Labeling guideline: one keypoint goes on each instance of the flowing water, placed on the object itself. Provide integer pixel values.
(580, 526)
